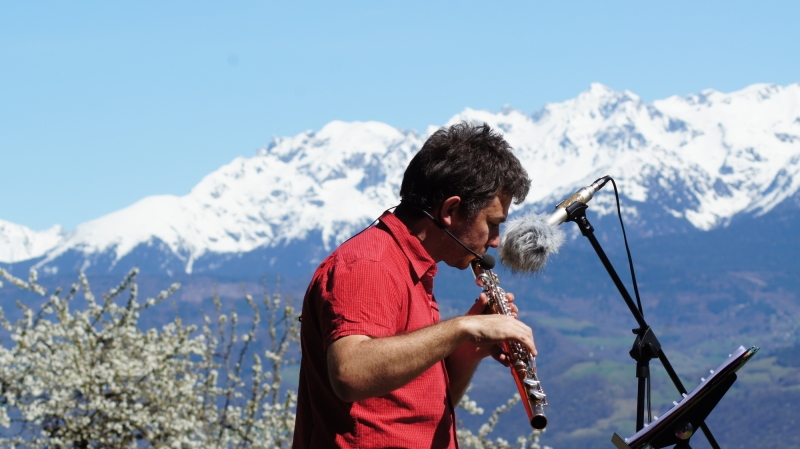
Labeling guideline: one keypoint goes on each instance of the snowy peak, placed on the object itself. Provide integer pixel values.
(18, 243)
(329, 181)
(745, 142)
(603, 99)
(341, 147)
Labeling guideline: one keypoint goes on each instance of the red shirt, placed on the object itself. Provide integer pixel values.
(378, 284)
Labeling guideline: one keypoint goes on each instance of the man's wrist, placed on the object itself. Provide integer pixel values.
(463, 326)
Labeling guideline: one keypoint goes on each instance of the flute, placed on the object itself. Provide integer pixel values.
(523, 363)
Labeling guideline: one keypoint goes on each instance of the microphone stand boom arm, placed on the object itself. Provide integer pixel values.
(646, 345)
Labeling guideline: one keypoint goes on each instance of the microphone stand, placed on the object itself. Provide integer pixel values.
(646, 345)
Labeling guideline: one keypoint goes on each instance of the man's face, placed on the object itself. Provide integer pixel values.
(479, 233)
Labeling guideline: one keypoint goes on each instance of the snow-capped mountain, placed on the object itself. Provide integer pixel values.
(331, 182)
(18, 243)
(704, 158)
(695, 161)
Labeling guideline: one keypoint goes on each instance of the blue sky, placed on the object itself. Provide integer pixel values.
(104, 103)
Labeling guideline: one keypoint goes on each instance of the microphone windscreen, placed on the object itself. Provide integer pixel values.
(528, 241)
(487, 262)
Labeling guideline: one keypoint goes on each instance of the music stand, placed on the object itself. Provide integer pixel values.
(676, 426)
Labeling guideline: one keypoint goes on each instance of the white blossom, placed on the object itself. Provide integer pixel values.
(92, 378)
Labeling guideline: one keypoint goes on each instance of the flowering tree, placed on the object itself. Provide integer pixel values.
(248, 413)
(92, 378)
(89, 377)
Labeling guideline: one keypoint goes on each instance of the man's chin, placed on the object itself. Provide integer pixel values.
(461, 265)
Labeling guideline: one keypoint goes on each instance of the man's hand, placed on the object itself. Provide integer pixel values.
(485, 332)
(495, 350)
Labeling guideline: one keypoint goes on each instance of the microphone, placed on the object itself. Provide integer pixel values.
(529, 240)
(583, 195)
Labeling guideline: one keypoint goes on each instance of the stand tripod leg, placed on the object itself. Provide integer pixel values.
(642, 373)
(707, 432)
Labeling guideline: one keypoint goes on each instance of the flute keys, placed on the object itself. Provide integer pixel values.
(535, 395)
(534, 392)
(531, 383)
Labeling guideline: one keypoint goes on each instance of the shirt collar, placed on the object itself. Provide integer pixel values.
(420, 260)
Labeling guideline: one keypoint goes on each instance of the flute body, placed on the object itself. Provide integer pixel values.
(523, 363)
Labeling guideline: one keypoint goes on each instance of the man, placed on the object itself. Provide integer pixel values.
(379, 369)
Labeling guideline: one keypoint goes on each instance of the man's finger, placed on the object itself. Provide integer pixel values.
(514, 309)
(498, 354)
(479, 306)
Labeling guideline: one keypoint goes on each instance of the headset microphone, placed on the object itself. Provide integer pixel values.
(486, 261)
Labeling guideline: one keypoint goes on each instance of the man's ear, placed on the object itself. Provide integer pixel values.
(448, 211)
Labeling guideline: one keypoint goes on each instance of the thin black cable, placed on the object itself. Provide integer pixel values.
(628, 250)
(370, 225)
(635, 288)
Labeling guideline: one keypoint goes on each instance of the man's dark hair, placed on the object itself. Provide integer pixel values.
(466, 160)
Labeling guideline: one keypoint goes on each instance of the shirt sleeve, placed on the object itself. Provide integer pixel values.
(362, 298)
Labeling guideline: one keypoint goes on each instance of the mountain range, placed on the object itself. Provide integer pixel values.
(682, 163)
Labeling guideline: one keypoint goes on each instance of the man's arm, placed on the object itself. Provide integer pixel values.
(361, 367)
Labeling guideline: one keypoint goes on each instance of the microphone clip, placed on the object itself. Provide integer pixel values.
(577, 212)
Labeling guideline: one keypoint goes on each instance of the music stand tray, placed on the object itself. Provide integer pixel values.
(678, 423)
